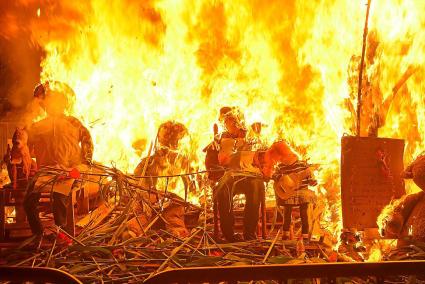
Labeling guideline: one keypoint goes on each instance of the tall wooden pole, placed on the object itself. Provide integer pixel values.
(359, 91)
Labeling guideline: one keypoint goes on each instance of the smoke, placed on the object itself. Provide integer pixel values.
(20, 56)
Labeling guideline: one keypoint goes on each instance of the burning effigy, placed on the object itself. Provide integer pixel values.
(144, 135)
(403, 218)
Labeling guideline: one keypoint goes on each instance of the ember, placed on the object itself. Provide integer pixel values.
(10, 214)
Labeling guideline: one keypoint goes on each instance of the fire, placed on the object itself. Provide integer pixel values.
(135, 64)
(379, 248)
(10, 214)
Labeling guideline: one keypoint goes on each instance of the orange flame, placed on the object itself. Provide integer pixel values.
(134, 64)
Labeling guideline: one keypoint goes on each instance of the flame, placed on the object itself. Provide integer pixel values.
(135, 64)
(386, 215)
(380, 248)
(10, 214)
(410, 233)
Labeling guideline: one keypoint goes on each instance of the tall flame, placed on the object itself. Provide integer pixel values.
(134, 64)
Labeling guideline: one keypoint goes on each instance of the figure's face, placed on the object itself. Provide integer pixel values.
(20, 138)
(256, 127)
(394, 226)
(231, 125)
(54, 104)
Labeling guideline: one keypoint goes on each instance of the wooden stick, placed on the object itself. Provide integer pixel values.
(174, 252)
(69, 236)
(359, 91)
(53, 248)
(271, 246)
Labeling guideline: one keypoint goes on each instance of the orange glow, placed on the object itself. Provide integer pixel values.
(379, 248)
(135, 64)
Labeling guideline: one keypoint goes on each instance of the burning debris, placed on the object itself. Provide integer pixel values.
(103, 249)
(108, 249)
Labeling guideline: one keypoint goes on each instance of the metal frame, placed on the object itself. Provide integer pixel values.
(283, 272)
(37, 274)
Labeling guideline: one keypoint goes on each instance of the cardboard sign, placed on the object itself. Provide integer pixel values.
(370, 178)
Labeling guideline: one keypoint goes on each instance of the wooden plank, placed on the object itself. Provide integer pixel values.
(99, 214)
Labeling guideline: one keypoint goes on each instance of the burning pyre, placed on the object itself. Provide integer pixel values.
(279, 61)
(290, 65)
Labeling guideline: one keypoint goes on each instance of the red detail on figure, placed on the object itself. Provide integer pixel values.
(74, 173)
(64, 239)
(215, 253)
(61, 177)
(333, 257)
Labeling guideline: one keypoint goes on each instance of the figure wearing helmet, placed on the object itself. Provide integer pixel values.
(234, 155)
(246, 169)
(58, 141)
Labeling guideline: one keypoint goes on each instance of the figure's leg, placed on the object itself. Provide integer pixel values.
(59, 207)
(287, 219)
(253, 189)
(31, 203)
(305, 226)
(225, 209)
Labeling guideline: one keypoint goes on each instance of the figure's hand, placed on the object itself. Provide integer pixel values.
(267, 172)
(88, 162)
